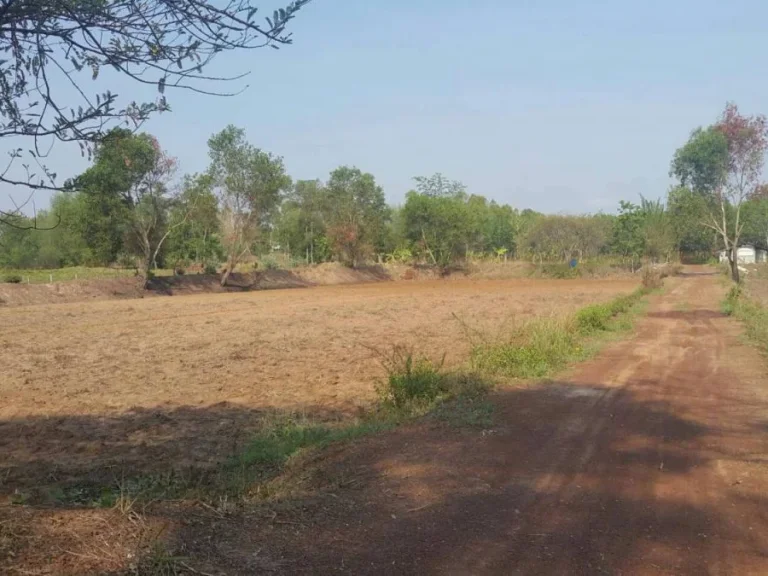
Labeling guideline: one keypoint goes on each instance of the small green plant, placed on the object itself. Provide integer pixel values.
(410, 380)
(401, 255)
(209, 269)
(12, 279)
(269, 263)
(731, 303)
(595, 318)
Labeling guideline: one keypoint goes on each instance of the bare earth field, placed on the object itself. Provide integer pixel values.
(182, 380)
(650, 459)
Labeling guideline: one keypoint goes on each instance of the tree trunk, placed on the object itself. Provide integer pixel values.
(227, 271)
(735, 265)
(147, 269)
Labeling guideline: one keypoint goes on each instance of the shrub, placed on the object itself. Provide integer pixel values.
(410, 380)
(179, 271)
(270, 263)
(561, 270)
(595, 318)
(731, 302)
(535, 350)
(652, 278)
(12, 279)
(209, 269)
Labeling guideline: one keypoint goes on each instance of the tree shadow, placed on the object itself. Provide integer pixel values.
(80, 450)
(574, 479)
(689, 316)
(571, 479)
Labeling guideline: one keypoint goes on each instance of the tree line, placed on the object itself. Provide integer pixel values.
(131, 208)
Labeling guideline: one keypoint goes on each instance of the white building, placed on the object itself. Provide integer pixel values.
(746, 254)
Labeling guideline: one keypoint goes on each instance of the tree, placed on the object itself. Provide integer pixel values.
(499, 228)
(302, 223)
(439, 185)
(131, 175)
(724, 164)
(658, 235)
(628, 238)
(195, 238)
(755, 218)
(249, 184)
(18, 247)
(51, 47)
(60, 241)
(437, 226)
(356, 214)
(687, 210)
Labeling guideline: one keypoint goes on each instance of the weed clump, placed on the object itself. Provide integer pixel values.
(12, 279)
(544, 346)
(652, 278)
(732, 300)
(594, 318)
(410, 379)
(534, 350)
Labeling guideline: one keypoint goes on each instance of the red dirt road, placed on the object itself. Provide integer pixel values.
(651, 459)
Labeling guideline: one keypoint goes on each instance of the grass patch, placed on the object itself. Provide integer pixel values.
(544, 346)
(738, 304)
(44, 276)
(412, 381)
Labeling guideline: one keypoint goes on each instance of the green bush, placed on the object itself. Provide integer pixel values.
(210, 269)
(12, 279)
(410, 380)
(595, 318)
(731, 303)
(269, 263)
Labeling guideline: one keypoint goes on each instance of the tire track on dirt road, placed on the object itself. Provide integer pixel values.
(649, 459)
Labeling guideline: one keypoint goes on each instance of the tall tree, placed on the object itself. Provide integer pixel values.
(687, 211)
(437, 226)
(439, 185)
(249, 184)
(195, 239)
(724, 163)
(134, 174)
(302, 223)
(356, 214)
(658, 235)
(52, 47)
(628, 238)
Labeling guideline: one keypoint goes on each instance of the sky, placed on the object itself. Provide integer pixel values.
(555, 105)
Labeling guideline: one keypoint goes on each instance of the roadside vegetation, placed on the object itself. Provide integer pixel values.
(740, 304)
(545, 345)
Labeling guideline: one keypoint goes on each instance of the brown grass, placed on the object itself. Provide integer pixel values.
(161, 387)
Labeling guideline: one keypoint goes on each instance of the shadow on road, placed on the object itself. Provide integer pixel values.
(572, 479)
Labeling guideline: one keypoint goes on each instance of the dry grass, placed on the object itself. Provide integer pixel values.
(186, 381)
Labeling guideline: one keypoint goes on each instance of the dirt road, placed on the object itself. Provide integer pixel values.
(650, 459)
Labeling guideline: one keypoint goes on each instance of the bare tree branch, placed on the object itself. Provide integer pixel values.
(47, 44)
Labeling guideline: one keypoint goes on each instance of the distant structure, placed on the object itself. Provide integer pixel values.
(746, 254)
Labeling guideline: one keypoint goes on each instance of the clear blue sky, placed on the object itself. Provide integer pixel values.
(558, 105)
